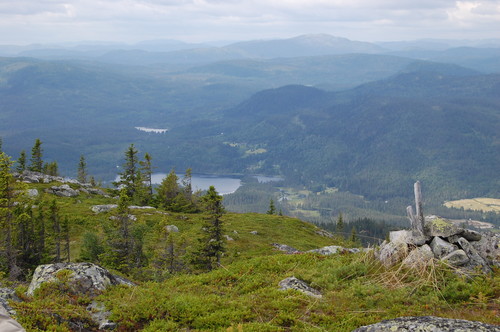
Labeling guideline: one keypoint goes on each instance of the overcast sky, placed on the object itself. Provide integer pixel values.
(53, 21)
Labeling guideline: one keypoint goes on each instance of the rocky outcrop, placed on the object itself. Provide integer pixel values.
(428, 324)
(172, 229)
(286, 249)
(100, 316)
(6, 295)
(299, 285)
(103, 208)
(85, 278)
(328, 250)
(62, 191)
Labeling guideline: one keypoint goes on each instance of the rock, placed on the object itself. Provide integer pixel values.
(470, 235)
(6, 295)
(419, 257)
(172, 229)
(391, 253)
(100, 316)
(286, 249)
(254, 232)
(475, 259)
(9, 324)
(62, 191)
(428, 324)
(441, 247)
(96, 191)
(301, 286)
(488, 248)
(86, 278)
(407, 237)
(228, 238)
(435, 226)
(103, 208)
(324, 233)
(145, 207)
(456, 258)
(330, 250)
(32, 193)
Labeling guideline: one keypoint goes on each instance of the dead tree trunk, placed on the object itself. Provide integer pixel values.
(417, 220)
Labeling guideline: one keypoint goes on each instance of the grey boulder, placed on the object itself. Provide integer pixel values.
(428, 324)
(299, 285)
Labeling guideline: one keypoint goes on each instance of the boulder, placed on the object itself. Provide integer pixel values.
(254, 232)
(408, 237)
(441, 248)
(456, 258)
(6, 295)
(286, 249)
(172, 229)
(145, 207)
(63, 191)
(32, 193)
(228, 238)
(475, 260)
(488, 247)
(96, 191)
(428, 324)
(419, 257)
(470, 235)
(301, 286)
(329, 250)
(100, 316)
(85, 278)
(103, 208)
(391, 253)
(435, 226)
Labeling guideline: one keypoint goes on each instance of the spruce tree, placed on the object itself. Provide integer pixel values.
(21, 162)
(212, 243)
(82, 170)
(168, 190)
(147, 172)
(272, 208)
(36, 162)
(340, 225)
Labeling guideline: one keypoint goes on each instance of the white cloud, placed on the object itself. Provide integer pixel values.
(45, 20)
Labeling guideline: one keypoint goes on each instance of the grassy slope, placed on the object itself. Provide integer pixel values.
(244, 295)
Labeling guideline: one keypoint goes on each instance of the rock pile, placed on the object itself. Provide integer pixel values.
(433, 237)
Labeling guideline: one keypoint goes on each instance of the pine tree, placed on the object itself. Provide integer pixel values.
(36, 162)
(21, 162)
(147, 172)
(168, 190)
(212, 244)
(340, 225)
(354, 237)
(130, 173)
(272, 208)
(82, 170)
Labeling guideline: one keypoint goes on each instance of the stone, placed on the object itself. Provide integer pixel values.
(86, 278)
(475, 259)
(32, 193)
(228, 238)
(324, 233)
(436, 226)
(299, 285)
(428, 324)
(6, 295)
(100, 316)
(145, 207)
(441, 248)
(456, 258)
(391, 253)
(286, 249)
(63, 191)
(470, 235)
(329, 250)
(172, 229)
(96, 191)
(103, 208)
(419, 257)
(407, 237)
(254, 232)
(488, 247)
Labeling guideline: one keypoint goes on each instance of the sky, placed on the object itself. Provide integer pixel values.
(56, 21)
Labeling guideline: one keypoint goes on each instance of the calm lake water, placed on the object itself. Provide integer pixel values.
(224, 184)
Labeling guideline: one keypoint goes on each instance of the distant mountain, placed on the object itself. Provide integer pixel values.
(378, 138)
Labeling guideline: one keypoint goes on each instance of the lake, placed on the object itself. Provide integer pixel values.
(224, 184)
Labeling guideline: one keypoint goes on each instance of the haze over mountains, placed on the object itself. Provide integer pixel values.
(368, 118)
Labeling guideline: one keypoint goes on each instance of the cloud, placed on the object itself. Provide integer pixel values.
(31, 20)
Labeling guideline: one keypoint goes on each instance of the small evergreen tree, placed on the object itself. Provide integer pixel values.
(91, 248)
(168, 190)
(340, 225)
(147, 173)
(36, 162)
(21, 162)
(272, 208)
(82, 170)
(56, 230)
(51, 168)
(212, 243)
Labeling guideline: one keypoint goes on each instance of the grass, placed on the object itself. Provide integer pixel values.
(477, 204)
